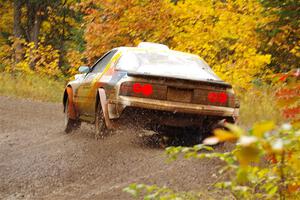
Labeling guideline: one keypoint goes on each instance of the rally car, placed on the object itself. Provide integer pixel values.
(171, 88)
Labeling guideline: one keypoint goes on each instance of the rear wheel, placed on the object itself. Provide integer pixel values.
(218, 124)
(70, 124)
(208, 129)
(101, 129)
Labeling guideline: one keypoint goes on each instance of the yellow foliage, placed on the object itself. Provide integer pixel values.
(224, 135)
(124, 23)
(6, 16)
(5, 57)
(262, 127)
(222, 32)
(75, 60)
(44, 57)
(6, 25)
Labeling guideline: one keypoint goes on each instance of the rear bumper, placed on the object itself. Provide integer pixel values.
(116, 107)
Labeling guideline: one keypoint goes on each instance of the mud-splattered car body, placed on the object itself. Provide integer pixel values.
(182, 96)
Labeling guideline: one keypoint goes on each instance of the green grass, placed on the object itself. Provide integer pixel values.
(31, 86)
(258, 105)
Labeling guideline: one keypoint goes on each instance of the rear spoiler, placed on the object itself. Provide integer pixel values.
(210, 82)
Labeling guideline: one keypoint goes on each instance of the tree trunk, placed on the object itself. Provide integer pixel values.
(17, 30)
(34, 31)
(62, 37)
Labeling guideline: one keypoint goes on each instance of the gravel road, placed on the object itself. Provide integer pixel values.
(39, 161)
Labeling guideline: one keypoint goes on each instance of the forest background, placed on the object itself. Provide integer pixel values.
(252, 44)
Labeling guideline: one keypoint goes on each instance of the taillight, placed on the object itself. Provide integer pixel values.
(222, 97)
(136, 89)
(217, 97)
(212, 97)
(145, 89)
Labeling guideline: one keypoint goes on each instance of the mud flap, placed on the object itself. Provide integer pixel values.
(71, 108)
(104, 106)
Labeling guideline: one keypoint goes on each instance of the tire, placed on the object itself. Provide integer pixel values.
(70, 124)
(100, 127)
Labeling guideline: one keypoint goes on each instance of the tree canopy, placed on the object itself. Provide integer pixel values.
(243, 41)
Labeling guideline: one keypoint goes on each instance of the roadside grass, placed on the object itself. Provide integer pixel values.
(31, 86)
(258, 104)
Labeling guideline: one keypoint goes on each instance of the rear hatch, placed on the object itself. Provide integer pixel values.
(210, 92)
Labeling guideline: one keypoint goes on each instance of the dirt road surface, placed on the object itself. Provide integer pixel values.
(39, 161)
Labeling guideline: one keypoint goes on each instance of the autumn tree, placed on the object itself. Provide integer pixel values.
(62, 30)
(281, 37)
(29, 16)
(52, 24)
(222, 32)
(6, 29)
(111, 24)
(243, 41)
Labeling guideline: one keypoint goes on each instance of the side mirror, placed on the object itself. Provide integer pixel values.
(84, 69)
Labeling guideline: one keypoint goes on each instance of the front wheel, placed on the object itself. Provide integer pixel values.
(70, 124)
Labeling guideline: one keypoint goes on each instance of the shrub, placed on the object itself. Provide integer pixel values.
(263, 165)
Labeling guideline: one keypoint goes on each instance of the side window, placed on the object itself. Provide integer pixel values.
(100, 66)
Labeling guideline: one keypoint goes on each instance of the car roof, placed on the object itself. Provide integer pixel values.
(149, 49)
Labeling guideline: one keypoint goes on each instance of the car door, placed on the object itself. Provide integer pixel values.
(87, 91)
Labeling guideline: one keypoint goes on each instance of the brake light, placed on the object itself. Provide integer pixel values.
(222, 97)
(212, 97)
(146, 89)
(136, 89)
(217, 97)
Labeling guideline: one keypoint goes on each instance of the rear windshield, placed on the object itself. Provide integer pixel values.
(166, 63)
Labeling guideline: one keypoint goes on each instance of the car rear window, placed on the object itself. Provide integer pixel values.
(165, 63)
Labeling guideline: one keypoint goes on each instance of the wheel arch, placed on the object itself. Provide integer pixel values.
(65, 97)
